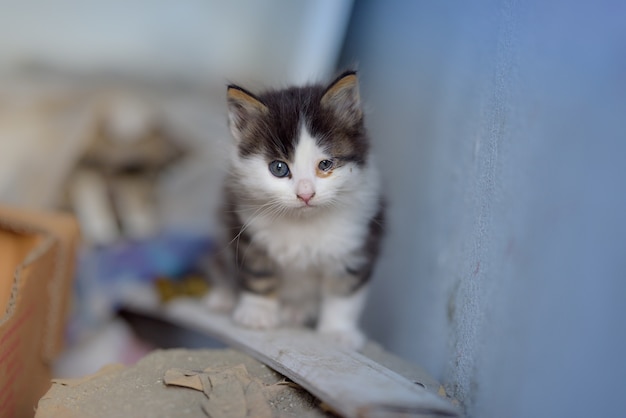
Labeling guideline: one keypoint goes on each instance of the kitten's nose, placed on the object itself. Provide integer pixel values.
(305, 190)
(306, 197)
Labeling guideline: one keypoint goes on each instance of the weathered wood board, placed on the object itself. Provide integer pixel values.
(350, 383)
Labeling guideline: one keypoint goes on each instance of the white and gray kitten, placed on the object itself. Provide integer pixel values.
(303, 208)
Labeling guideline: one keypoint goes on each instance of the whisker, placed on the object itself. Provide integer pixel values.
(275, 212)
(262, 210)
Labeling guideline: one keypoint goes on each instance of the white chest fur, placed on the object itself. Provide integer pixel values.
(322, 240)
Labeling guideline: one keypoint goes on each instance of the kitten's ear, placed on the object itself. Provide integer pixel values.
(342, 98)
(243, 107)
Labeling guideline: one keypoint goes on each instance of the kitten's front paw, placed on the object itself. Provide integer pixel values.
(257, 312)
(352, 338)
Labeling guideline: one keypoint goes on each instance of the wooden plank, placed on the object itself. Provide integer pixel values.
(350, 383)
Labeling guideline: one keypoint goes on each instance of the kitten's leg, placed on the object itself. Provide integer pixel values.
(344, 291)
(339, 317)
(258, 305)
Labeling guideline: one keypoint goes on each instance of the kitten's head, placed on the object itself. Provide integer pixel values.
(299, 148)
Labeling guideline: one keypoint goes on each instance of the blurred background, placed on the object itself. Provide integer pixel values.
(500, 129)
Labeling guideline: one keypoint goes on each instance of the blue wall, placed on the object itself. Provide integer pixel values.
(501, 131)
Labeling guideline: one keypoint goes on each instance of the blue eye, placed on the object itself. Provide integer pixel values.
(279, 168)
(325, 165)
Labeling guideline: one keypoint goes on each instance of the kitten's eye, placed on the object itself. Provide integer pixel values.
(279, 168)
(325, 165)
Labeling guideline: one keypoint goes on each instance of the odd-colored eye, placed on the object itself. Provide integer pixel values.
(325, 165)
(279, 168)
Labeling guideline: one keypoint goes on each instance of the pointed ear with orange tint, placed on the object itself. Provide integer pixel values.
(343, 99)
(243, 108)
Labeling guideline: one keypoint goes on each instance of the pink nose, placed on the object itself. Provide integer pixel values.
(305, 190)
(305, 197)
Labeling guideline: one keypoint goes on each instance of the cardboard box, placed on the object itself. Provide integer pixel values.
(37, 256)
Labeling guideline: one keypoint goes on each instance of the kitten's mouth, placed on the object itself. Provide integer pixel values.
(305, 207)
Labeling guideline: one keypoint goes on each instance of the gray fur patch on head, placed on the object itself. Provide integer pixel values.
(269, 124)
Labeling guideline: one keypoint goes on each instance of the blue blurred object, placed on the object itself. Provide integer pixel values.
(108, 275)
(170, 254)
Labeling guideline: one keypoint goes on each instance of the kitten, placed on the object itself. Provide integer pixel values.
(304, 208)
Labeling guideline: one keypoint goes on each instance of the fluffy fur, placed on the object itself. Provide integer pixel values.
(303, 208)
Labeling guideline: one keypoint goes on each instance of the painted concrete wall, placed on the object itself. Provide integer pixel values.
(501, 131)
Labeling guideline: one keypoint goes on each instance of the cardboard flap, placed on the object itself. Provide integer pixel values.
(14, 248)
(37, 255)
(28, 237)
